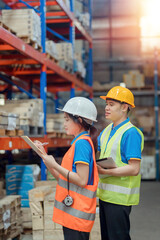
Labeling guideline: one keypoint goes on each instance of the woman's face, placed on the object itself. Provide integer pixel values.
(70, 126)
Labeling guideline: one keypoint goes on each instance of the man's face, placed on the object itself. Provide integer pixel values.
(114, 110)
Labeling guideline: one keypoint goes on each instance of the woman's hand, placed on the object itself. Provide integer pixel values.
(40, 146)
(49, 161)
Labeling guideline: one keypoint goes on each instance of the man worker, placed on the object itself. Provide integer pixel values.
(119, 187)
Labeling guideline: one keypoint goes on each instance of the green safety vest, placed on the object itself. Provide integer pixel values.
(118, 190)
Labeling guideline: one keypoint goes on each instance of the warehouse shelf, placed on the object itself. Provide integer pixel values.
(43, 72)
(28, 55)
(65, 14)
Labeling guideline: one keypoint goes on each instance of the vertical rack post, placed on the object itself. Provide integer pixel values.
(43, 76)
(110, 39)
(56, 102)
(72, 41)
(72, 91)
(90, 67)
(156, 112)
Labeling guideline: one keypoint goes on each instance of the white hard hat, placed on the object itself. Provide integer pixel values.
(82, 107)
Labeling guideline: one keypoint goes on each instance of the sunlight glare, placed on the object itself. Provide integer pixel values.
(150, 22)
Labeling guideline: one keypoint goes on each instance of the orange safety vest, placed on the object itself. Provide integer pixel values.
(81, 215)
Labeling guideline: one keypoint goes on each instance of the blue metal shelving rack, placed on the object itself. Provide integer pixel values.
(74, 26)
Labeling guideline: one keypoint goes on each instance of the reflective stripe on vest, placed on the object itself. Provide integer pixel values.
(72, 187)
(74, 212)
(118, 190)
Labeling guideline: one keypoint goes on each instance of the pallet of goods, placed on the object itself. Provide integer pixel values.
(10, 217)
(41, 204)
(10, 124)
(65, 56)
(20, 179)
(134, 79)
(30, 113)
(51, 50)
(26, 24)
(55, 122)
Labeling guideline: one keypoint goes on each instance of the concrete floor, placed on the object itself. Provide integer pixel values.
(145, 218)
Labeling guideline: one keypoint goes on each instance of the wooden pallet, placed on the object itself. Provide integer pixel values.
(51, 58)
(32, 43)
(11, 133)
(32, 130)
(7, 28)
(78, 75)
(58, 135)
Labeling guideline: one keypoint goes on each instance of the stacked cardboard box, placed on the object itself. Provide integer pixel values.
(41, 204)
(30, 113)
(20, 179)
(79, 68)
(10, 217)
(65, 55)
(134, 79)
(54, 123)
(25, 22)
(9, 124)
(51, 49)
(26, 220)
(84, 18)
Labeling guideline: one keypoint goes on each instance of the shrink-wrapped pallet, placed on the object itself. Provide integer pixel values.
(51, 49)
(25, 22)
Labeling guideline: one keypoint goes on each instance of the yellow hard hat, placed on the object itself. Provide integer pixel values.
(121, 94)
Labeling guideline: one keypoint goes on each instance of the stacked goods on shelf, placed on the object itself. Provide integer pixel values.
(30, 113)
(9, 124)
(65, 56)
(41, 204)
(54, 125)
(10, 217)
(51, 49)
(26, 220)
(20, 179)
(25, 22)
(84, 18)
(134, 79)
(79, 67)
(148, 167)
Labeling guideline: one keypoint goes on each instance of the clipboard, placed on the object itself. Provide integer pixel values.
(32, 145)
(106, 162)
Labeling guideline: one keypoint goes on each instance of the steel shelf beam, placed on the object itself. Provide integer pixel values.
(37, 56)
(11, 143)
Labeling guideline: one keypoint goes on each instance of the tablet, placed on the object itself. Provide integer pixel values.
(106, 162)
(32, 145)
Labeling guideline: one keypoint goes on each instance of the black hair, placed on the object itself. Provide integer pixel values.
(92, 130)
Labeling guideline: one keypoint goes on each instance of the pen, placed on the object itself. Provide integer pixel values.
(45, 143)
